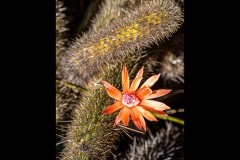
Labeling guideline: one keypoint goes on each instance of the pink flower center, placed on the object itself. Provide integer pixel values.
(130, 100)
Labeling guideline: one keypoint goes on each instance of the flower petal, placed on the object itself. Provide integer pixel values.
(125, 116)
(108, 85)
(161, 112)
(140, 89)
(118, 118)
(112, 91)
(138, 124)
(136, 120)
(143, 93)
(150, 81)
(140, 73)
(154, 105)
(134, 115)
(110, 109)
(138, 110)
(135, 84)
(125, 80)
(158, 93)
(143, 123)
(154, 110)
(149, 116)
(113, 94)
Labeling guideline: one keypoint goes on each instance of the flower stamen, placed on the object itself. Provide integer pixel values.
(130, 100)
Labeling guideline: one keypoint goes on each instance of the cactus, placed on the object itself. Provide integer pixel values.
(61, 47)
(167, 144)
(101, 54)
(111, 10)
(173, 67)
(66, 100)
(91, 134)
(146, 24)
(61, 29)
(170, 59)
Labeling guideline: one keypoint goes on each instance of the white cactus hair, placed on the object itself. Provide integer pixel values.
(145, 25)
(172, 67)
(167, 144)
(113, 40)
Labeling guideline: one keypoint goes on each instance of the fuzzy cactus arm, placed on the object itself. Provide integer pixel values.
(66, 100)
(91, 134)
(172, 64)
(111, 10)
(80, 140)
(61, 30)
(167, 144)
(146, 24)
(63, 94)
(172, 67)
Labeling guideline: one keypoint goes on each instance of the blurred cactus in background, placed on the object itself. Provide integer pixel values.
(105, 36)
(166, 144)
(61, 29)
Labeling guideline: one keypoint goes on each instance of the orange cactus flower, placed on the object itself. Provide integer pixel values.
(136, 102)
